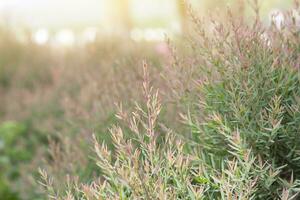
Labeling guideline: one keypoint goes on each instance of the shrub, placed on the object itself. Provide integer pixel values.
(253, 88)
(243, 142)
(10, 156)
(154, 164)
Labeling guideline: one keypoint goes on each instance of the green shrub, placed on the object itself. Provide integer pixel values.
(243, 142)
(253, 88)
(153, 163)
(10, 132)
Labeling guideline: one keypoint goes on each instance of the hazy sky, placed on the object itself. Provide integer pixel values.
(80, 13)
(54, 12)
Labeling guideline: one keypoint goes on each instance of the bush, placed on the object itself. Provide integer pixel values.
(253, 89)
(154, 164)
(10, 156)
(150, 165)
(243, 119)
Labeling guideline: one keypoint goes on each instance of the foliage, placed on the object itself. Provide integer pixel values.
(243, 142)
(11, 154)
(235, 87)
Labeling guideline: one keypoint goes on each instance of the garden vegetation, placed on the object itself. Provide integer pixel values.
(213, 117)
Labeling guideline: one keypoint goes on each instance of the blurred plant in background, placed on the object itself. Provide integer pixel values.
(63, 96)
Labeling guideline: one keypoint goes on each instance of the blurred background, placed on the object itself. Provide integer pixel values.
(63, 65)
(69, 22)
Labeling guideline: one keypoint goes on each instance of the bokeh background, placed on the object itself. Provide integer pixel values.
(63, 65)
(73, 22)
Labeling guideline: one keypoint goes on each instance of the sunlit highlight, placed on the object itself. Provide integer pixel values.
(41, 36)
(65, 37)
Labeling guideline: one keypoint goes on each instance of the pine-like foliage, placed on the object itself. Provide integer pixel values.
(244, 130)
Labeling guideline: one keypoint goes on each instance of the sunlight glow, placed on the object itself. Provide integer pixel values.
(148, 34)
(65, 37)
(41, 36)
(89, 34)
